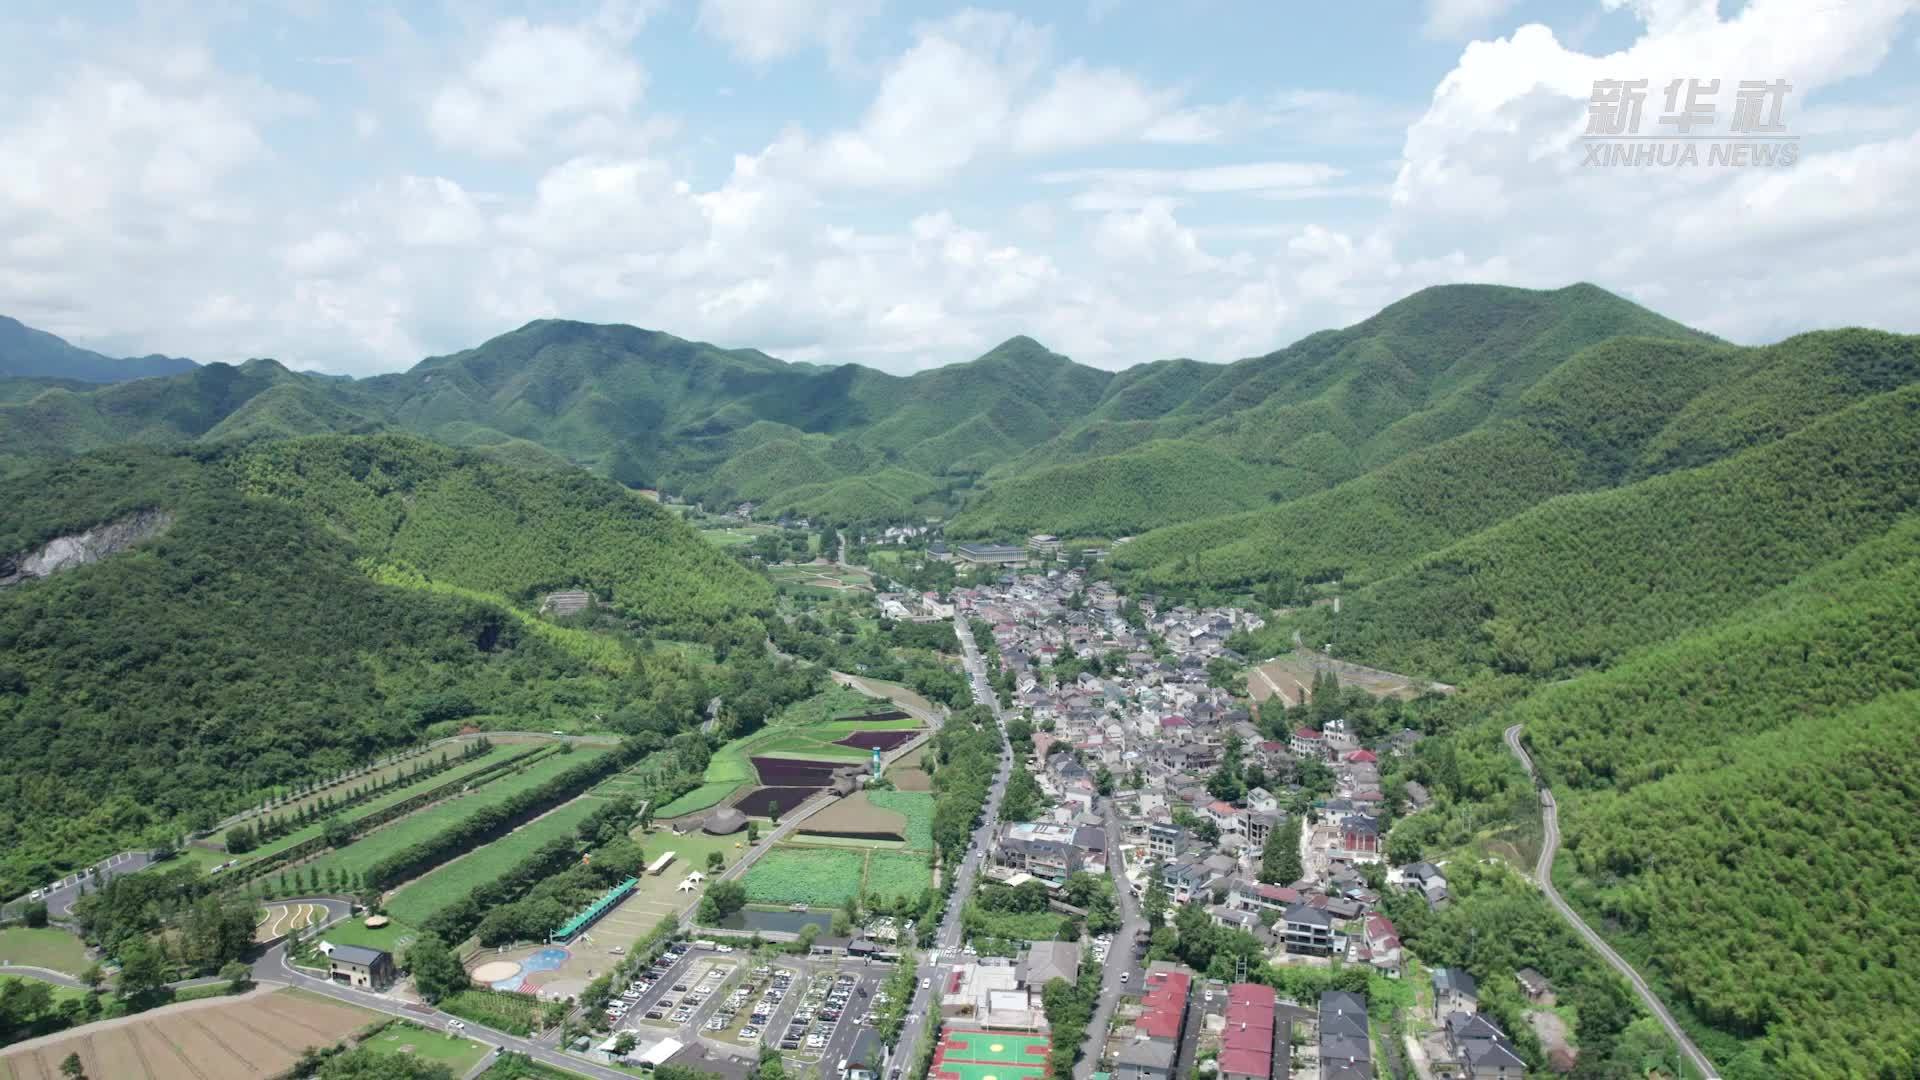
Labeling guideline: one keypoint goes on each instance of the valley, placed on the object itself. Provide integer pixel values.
(469, 647)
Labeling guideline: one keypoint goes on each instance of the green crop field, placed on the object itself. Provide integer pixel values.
(820, 876)
(834, 701)
(386, 799)
(897, 873)
(423, 896)
(918, 808)
(805, 729)
(364, 852)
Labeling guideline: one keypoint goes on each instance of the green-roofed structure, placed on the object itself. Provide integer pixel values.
(593, 912)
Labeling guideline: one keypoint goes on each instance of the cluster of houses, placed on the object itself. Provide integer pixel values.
(1152, 721)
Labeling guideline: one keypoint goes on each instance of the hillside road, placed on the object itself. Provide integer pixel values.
(1543, 876)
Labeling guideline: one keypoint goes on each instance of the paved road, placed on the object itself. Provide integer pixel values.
(47, 975)
(272, 969)
(947, 938)
(1121, 957)
(1543, 875)
(70, 888)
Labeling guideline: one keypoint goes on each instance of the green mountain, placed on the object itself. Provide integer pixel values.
(288, 608)
(30, 353)
(1704, 623)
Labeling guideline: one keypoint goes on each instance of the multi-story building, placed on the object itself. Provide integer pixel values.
(1307, 930)
(1165, 840)
(1045, 851)
(1346, 1046)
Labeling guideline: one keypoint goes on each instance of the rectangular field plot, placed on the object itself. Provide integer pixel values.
(420, 898)
(897, 873)
(261, 1034)
(823, 876)
(367, 850)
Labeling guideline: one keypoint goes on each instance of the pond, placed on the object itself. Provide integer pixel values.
(782, 922)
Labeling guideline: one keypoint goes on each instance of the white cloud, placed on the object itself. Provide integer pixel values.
(1456, 18)
(528, 83)
(761, 31)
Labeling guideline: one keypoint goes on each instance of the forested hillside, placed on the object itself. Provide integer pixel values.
(1715, 663)
(249, 644)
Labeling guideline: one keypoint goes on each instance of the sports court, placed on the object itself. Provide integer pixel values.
(990, 1055)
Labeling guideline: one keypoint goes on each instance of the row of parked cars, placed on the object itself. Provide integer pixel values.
(828, 999)
(629, 997)
(770, 999)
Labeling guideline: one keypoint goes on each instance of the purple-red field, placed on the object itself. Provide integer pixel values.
(878, 740)
(793, 772)
(759, 801)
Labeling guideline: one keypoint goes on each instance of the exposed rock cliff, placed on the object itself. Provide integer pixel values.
(80, 549)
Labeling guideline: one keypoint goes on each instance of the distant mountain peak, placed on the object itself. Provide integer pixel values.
(25, 351)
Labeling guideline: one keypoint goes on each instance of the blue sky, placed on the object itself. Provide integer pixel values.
(353, 187)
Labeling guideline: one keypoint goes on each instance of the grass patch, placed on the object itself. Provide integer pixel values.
(360, 855)
(699, 798)
(891, 874)
(393, 937)
(48, 948)
(829, 704)
(917, 806)
(421, 897)
(815, 876)
(408, 1039)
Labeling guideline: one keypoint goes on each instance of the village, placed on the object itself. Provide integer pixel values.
(1125, 714)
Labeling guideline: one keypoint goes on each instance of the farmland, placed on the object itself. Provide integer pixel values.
(517, 1014)
(382, 801)
(771, 802)
(360, 855)
(897, 873)
(810, 730)
(856, 819)
(813, 876)
(918, 810)
(260, 1034)
(423, 896)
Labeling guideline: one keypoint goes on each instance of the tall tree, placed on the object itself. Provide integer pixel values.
(1280, 856)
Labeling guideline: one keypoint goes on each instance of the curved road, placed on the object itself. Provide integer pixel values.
(1543, 875)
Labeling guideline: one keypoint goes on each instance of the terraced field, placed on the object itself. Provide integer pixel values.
(380, 802)
(358, 856)
(425, 895)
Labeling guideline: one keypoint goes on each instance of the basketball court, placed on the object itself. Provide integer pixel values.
(990, 1055)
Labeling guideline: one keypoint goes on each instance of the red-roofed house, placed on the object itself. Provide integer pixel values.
(1246, 1041)
(1381, 945)
(1362, 756)
(1308, 743)
(1164, 1006)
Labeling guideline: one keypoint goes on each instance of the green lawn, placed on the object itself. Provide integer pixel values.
(358, 856)
(393, 937)
(55, 950)
(455, 1053)
(698, 799)
(386, 799)
(425, 895)
(690, 851)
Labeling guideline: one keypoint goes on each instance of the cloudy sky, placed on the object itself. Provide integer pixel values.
(352, 187)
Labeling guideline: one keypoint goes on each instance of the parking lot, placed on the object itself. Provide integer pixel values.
(677, 992)
(814, 1011)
